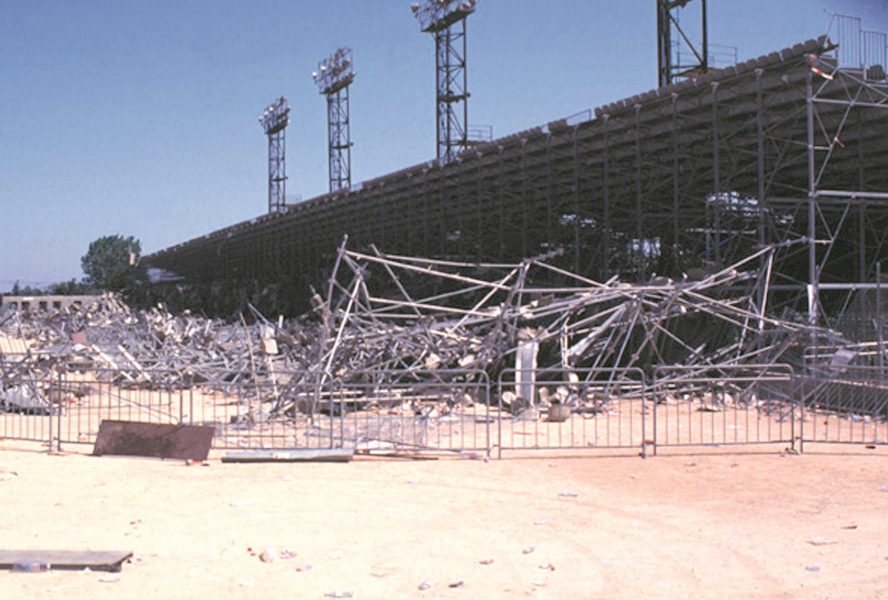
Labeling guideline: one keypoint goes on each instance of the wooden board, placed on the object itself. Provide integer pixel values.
(65, 559)
(300, 455)
(128, 438)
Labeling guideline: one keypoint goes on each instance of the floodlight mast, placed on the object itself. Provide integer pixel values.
(446, 19)
(670, 67)
(274, 121)
(334, 76)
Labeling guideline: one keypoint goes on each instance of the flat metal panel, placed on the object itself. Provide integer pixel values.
(127, 438)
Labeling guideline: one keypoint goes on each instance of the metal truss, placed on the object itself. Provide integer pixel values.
(452, 93)
(339, 139)
(446, 20)
(274, 121)
(277, 171)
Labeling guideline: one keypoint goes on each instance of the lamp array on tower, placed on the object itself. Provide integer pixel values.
(446, 20)
(333, 77)
(438, 14)
(274, 121)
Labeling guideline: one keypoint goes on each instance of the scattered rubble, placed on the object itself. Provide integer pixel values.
(147, 347)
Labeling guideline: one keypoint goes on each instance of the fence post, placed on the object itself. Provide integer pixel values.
(485, 381)
(53, 392)
(644, 395)
(654, 391)
(58, 415)
(336, 391)
(792, 411)
(499, 416)
(801, 400)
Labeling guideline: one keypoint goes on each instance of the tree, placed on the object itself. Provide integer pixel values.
(71, 288)
(110, 262)
(18, 290)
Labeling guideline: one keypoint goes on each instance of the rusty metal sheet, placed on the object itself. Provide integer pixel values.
(129, 438)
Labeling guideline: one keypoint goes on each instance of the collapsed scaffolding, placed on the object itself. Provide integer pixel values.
(407, 347)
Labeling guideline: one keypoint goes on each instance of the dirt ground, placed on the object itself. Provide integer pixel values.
(695, 525)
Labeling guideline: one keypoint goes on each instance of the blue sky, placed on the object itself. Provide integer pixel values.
(140, 118)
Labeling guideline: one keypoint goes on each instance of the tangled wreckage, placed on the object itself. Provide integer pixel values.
(404, 353)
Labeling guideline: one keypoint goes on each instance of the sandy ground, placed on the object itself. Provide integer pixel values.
(683, 526)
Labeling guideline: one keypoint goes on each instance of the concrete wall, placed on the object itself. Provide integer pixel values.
(46, 303)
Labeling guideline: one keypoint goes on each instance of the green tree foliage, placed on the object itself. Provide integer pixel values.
(64, 288)
(18, 290)
(71, 288)
(110, 263)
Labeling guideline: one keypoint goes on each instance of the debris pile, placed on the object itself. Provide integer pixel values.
(386, 318)
(148, 347)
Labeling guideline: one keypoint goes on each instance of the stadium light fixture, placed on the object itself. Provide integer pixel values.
(276, 116)
(333, 77)
(434, 15)
(335, 72)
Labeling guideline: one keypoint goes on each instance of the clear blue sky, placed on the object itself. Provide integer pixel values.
(140, 118)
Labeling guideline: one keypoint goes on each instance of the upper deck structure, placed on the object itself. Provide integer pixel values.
(784, 149)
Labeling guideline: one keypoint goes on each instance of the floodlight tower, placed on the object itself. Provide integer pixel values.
(446, 19)
(671, 68)
(333, 77)
(274, 121)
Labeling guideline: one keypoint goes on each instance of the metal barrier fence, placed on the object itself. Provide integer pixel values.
(397, 411)
(844, 404)
(245, 413)
(414, 411)
(724, 405)
(27, 398)
(583, 408)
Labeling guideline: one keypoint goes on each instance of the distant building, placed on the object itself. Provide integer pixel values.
(46, 303)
